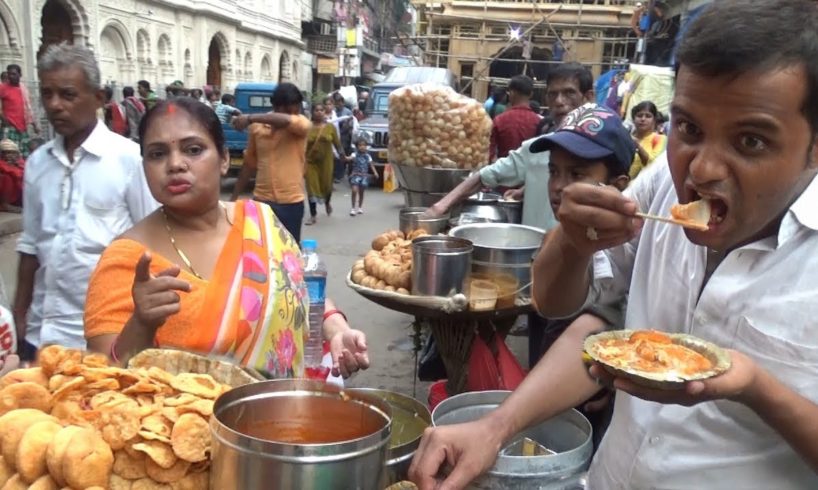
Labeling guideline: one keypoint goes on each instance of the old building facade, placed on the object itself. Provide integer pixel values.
(486, 42)
(200, 42)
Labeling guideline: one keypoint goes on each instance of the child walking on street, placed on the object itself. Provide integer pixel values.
(359, 175)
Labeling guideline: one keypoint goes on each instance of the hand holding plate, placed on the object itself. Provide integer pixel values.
(733, 384)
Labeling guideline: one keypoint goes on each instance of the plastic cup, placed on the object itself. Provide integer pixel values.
(508, 286)
(482, 295)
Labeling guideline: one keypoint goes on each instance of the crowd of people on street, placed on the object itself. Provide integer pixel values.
(127, 244)
(743, 137)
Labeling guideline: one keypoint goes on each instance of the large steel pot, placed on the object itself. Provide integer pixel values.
(440, 265)
(421, 199)
(568, 434)
(298, 434)
(409, 419)
(492, 208)
(427, 179)
(411, 219)
(502, 248)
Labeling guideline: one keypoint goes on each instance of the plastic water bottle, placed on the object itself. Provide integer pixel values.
(315, 275)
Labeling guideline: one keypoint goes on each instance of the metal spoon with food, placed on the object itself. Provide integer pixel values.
(695, 215)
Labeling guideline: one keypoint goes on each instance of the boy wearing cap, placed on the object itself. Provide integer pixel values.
(590, 146)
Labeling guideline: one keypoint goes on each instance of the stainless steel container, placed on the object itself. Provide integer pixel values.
(354, 431)
(427, 179)
(440, 265)
(567, 434)
(421, 199)
(411, 219)
(492, 208)
(409, 419)
(502, 248)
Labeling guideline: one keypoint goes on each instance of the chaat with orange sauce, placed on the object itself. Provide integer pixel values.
(656, 358)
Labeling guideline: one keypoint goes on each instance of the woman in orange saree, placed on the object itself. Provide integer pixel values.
(239, 291)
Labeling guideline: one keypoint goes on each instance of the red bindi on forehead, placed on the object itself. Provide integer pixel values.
(171, 109)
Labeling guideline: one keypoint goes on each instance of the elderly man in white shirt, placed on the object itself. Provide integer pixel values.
(80, 191)
(745, 137)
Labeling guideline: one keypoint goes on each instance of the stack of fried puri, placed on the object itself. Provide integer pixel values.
(76, 422)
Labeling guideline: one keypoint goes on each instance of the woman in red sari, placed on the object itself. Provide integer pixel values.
(11, 176)
(239, 290)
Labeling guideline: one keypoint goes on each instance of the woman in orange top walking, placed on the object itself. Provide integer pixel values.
(240, 291)
(276, 155)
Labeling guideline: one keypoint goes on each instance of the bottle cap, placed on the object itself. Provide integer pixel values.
(309, 244)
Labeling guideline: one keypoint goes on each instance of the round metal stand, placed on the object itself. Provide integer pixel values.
(453, 331)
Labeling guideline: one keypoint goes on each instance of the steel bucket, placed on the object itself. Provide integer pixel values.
(409, 419)
(440, 265)
(247, 421)
(568, 434)
(502, 248)
(410, 219)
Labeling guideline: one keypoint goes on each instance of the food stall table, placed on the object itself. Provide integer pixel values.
(451, 323)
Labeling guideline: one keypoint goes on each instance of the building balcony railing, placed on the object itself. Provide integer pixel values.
(322, 44)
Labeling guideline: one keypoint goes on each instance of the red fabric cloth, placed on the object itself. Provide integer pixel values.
(119, 123)
(14, 108)
(511, 128)
(11, 182)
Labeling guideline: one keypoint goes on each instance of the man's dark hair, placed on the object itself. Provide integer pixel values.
(498, 93)
(14, 66)
(203, 114)
(228, 99)
(109, 92)
(286, 94)
(337, 97)
(730, 39)
(127, 92)
(144, 84)
(572, 71)
(521, 84)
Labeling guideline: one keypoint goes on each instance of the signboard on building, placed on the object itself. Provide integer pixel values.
(327, 66)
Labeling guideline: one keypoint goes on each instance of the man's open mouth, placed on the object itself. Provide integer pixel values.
(718, 207)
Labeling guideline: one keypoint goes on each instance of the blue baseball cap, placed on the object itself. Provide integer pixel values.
(592, 132)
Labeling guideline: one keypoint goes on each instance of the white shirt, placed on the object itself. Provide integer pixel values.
(109, 195)
(762, 300)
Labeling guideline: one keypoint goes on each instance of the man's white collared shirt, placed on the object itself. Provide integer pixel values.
(68, 222)
(761, 300)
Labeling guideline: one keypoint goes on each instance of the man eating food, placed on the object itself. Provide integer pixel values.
(745, 124)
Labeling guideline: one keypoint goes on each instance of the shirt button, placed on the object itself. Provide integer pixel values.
(654, 440)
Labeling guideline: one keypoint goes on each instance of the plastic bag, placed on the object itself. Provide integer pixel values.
(434, 126)
(488, 371)
(390, 181)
